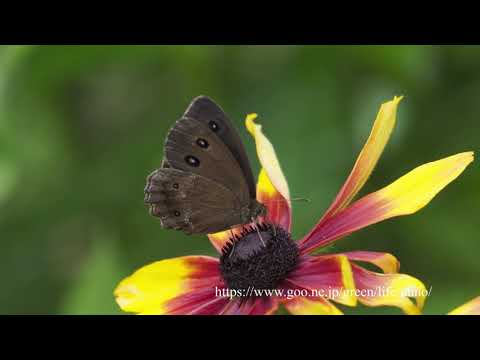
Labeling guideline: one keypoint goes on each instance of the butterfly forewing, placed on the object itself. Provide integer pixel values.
(205, 184)
(192, 147)
(204, 110)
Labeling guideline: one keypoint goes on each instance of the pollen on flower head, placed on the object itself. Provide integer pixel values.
(258, 259)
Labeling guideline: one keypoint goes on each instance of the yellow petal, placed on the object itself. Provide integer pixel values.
(470, 308)
(267, 157)
(149, 289)
(278, 209)
(405, 196)
(347, 296)
(221, 238)
(368, 157)
(414, 190)
(265, 187)
(319, 306)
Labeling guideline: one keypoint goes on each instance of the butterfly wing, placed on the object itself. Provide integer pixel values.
(190, 202)
(192, 147)
(206, 111)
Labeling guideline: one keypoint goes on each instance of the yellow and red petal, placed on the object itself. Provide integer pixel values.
(233, 308)
(272, 187)
(311, 306)
(264, 306)
(278, 209)
(375, 289)
(328, 276)
(267, 157)
(184, 284)
(385, 261)
(219, 239)
(368, 157)
(470, 308)
(259, 306)
(202, 301)
(405, 196)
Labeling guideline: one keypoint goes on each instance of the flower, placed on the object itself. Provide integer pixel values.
(470, 308)
(264, 257)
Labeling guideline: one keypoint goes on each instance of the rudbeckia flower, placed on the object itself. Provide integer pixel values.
(264, 267)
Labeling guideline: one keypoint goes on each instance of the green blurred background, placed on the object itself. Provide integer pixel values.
(82, 126)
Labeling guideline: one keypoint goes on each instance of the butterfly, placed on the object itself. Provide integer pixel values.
(205, 183)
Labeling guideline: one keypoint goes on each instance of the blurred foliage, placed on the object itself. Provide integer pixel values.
(82, 126)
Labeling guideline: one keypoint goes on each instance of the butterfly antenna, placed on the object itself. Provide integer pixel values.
(258, 231)
(301, 199)
(293, 199)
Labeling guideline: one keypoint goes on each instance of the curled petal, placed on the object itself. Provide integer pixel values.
(272, 187)
(179, 285)
(385, 261)
(470, 308)
(312, 306)
(278, 208)
(405, 196)
(374, 289)
(267, 157)
(368, 157)
(328, 276)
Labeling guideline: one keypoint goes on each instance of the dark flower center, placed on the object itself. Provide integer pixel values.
(258, 259)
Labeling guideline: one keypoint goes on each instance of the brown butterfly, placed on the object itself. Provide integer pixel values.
(205, 183)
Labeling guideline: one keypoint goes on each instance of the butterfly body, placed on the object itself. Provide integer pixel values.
(205, 184)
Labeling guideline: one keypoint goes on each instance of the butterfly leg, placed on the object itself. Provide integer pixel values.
(258, 231)
(233, 241)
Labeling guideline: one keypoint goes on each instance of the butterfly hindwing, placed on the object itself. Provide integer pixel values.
(190, 202)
